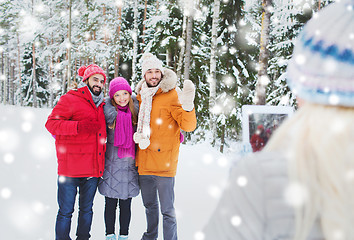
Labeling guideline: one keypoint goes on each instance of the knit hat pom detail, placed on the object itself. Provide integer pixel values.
(146, 56)
(81, 71)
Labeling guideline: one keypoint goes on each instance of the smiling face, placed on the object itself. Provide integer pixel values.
(95, 83)
(153, 77)
(121, 97)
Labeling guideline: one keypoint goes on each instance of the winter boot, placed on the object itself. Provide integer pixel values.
(111, 237)
(123, 237)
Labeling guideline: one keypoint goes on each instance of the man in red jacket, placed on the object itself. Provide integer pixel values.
(78, 124)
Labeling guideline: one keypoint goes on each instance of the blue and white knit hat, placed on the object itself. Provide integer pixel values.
(321, 69)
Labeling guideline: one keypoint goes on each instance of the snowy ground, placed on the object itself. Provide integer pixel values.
(28, 188)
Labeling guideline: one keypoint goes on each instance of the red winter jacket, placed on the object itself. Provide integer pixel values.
(79, 155)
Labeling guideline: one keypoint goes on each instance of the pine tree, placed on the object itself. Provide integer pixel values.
(40, 80)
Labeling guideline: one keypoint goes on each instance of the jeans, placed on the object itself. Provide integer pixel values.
(67, 190)
(124, 215)
(153, 189)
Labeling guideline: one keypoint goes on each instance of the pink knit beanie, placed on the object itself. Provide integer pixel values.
(117, 84)
(88, 71)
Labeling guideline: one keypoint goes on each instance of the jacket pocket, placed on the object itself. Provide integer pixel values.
(78, 159)
(161, 160)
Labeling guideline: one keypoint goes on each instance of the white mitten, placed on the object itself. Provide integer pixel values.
(186, 97)
(137, 137)
(144, 143)
(141, 140)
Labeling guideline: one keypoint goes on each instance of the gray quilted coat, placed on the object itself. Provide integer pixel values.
(120, 177)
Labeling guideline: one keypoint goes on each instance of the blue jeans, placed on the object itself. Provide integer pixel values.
(153, 189)
(67, 190)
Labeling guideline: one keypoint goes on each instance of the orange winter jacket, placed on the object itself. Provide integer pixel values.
(166, 121)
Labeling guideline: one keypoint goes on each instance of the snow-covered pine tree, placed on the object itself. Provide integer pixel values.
(212, 71)
(163, 30)
(40, 80)
(263, 79)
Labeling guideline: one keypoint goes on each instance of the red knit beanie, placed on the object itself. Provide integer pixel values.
(88, 71)
(117, 84)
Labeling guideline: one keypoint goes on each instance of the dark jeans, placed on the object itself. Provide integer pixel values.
(124, 215)
(157, 191)
(67, 190)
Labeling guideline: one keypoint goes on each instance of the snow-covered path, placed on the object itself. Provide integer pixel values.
(28, 182)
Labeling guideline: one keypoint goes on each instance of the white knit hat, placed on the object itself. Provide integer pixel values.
(322, 66)
(150, 61)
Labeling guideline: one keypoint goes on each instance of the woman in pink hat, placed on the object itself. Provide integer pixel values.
(119, 182)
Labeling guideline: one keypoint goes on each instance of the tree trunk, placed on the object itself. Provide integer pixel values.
(263, 79)
(222, 145)
(2, 80)
(183, 47)
(34, 77)
(144, 28)
(19, 69)
(12, 81)
(135, 41)
(212, 75)
(187, 58)
(34, 80)
(69, 47)
(5, 78)
(117, 41)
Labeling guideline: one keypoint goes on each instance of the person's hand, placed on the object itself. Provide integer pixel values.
(88, 126)
(186, 96)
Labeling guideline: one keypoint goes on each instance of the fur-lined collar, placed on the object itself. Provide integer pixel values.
(168, 82)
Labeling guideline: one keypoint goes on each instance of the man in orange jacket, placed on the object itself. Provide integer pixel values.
(163, 112)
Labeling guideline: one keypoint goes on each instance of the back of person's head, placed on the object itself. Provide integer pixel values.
(318, 140)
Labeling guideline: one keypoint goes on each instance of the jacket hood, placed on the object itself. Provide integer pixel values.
(168, 82)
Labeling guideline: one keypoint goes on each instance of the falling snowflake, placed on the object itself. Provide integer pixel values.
(62, 179)
(242, 181)
(9, 158)
(236, 221)
(26, 126)
(333, 99)
(214, 191)
(296, 195)
(6, 193)
(158, 121)
(199, 236)
(300, 59)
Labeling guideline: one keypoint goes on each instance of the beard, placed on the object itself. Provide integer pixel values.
(97, 90)
(151, 85)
